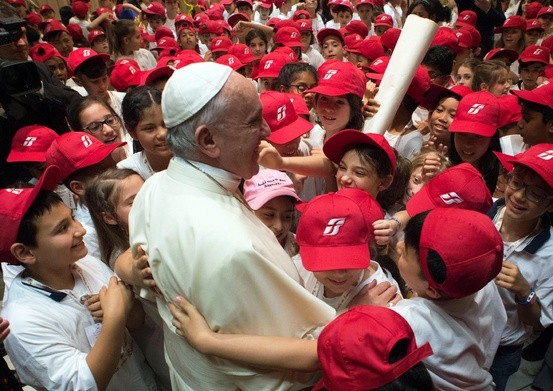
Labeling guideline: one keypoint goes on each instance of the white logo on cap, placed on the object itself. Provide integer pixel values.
(377, 62)
(281, 113)
(87, 142)
(268, 64)
(86, 53)
(218, 42)
(132, 70)
(293, 35)
(451, 198)
(547, 155)
(15, 191)
(329, 74)
(29, 141)
(475, 109)
(537, 52)
(230, 60)
(466, 17)
(333, 226)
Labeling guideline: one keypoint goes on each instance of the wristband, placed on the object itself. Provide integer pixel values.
(528, 300)
(398, 223)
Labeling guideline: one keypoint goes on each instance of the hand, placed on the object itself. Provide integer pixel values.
(4, 329)
(116, 300)
(371, 108)
(376, 294)
(269, 156)
(189, 323)
(423, 127)
(431, 146)
(298, 181)
(384, 230)
(94, 306)
(142, 270)
(431, 167)
(370, 91)
(510, 278)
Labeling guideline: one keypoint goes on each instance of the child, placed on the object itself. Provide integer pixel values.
(331, 43)
(58, 36)
(512, 34)
(297, 78)
(365, 10)
(526, 277)
(536, 125)
(465, 72)
(532, 62)
(155, 16)
(344, 13)
(187, 38)
(272, 196)
(125, 41)
(269, 69)
(492, 76)
(416, 179)
(48, 54)
(98, 41)
(144, 122)
(334, 235)
(382, 23)
(54, 341)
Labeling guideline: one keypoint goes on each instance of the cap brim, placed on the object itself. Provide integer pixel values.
(435, 93)
(158, 73)
(290, 132)
(505, 160)
(335, 147)
(327, 90)
(464, 126)
(530, 96)
(98, 155)
(318, 259)
(20, 156)
(539, 169)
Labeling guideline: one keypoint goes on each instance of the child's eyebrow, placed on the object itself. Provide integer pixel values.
(60, 223)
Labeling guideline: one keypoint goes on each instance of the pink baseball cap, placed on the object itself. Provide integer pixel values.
(335, 230)
(280, 115)
(499, 52)
(75, 150)
(95, 34)
(477, 113)
(29, 144)
(230, 60)
(469, 246)
(80, 8)
(126, 73)
(266, 185)
(327, 32)
(535, 53)
(53, 26)
(288, 36)
(532, 9)
(383, 20)
(389, 38)
(243, 52)
(534, 24)
(155, 8)
(356, 27)
(338, 78)
(461, 186)
(542, 94)
(271, 64)
(513, 21)
(78, 56)
(466, 17)
(355, 349)
(538, 158)
(336, 146)
(510, 109)
(220, 44)
(14, 204)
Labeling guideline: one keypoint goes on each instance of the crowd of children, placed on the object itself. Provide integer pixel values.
(431, 241)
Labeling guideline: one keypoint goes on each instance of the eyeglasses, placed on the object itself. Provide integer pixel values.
(97, 126)
(532, 193)
(300, 87)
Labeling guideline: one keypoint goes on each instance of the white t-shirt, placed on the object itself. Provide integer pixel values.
(139, 163)
(143, 57)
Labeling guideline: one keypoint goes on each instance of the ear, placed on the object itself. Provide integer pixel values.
(432, 293)
(385, 182)
(108, 218)
(206, 142)
(23, 253)
(77, 187)
(484, 86)
(282, 88)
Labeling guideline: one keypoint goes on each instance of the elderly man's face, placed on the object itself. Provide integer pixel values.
(239, 136)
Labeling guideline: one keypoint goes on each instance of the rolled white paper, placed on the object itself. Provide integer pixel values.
(415, 39)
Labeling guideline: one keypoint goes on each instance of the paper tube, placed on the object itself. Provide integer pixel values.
(414, 41)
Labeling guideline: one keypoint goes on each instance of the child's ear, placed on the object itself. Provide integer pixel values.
(432, 293)
(385, 182)
(483, 86)
(23, 253)
(206, 142)
(109, 219)
(77, 187)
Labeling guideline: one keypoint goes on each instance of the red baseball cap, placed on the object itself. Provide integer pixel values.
(280, 115)
(436, 93)
(200, 19)
(327, 32)
(534, 24)
(460, 186)
(216, 12)
(17, 2)
(286, 22)
(336, 146)
(513, 21)
(75, 31)
(288, 36)
(299, 104)
(389, 38)
(14, 204)
(420, 85)
(237, 17)
(305, 25)
(370, 48)
(362, 2)
(75, 150)
(532, 9)
(542, 94)
(356, 27)
(45, 7)
(266, 4)
(535, 53)
(187, 57)
(266, 185)
(383, 20)
(154, 8)
(80, 8)
(335, 230)
(160, 71)
(33, 18)
(42, 52)
(342, 3)
(247, 2)
(548, 43)
(226, 2)
(271, 64)
(445, 36)
(78, 56)
(468, 37)
(466, 17)
(377, 68)
(351, 42)
(53, 26)
(230, 60)
(184, 20)
(338, 78)
(126, 73)
(163, 32)
(220, 44)
(477, 113)
(510, 110)
(210, 27)
(29, 144)
(469, 246)
(243, 52)
(301, 15)
(504, 159)
(545, 11)
(355, 349)
(499, 52)
(95, 34)
(272, 22)
(538, 158)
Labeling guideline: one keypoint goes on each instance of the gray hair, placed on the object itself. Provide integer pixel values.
(181, 138)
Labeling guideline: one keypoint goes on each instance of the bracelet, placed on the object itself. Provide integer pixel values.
(398, 223)
(528, 300)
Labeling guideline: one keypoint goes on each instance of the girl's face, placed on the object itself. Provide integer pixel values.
(365, 12)
(511, 37)
(333, 48)
(502, 86)
(151, 132)
(334, 112)
(414, 185)
(532, 37)
(306, 39)
(100, 45)
(267, 84)
(258, 47)
(277, 214)
(188, 39)
(355, 173)
(133, 41)
(379, 30)
(419, 10)
(98, 112)
(58, 68)
(264, 12)
(338, 282)
(442, 117)
(464, 76)
(529, 75)
(471, 147)
(546, 21)
(128, 189)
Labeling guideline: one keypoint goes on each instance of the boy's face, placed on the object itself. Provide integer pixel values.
(379, 30)
(59, 239)
(100, 45)
(230, 8)
(333, 48)
(532, 128)
(58, 68)
(529, 74)
(155, 22)
(337, 282)
(531, 200)
(411, 271)
(245, 9)
(344, 17)
(95, 87)
(532, 37)
(365, 12)
(48, 14)
(277, 214)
